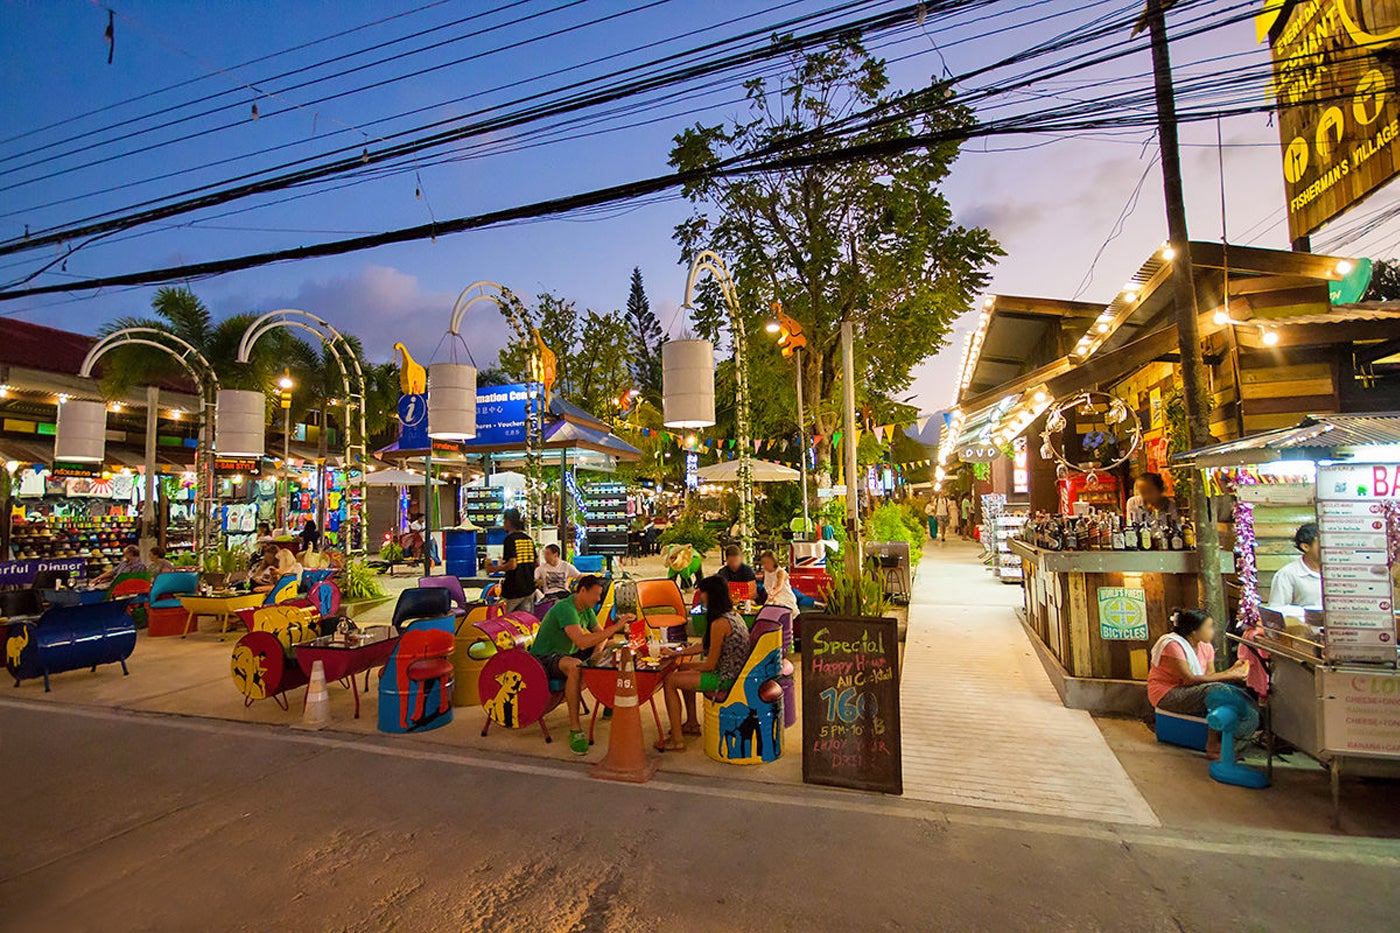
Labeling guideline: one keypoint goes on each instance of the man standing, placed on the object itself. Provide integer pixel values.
(518, 564)
(568, 633)
(947, 516)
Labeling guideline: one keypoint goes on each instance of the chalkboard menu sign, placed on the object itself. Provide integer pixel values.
(850, 703)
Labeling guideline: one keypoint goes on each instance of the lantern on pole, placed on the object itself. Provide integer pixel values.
(688, 383)
(81, 434)
(451, 401)
(240, 430)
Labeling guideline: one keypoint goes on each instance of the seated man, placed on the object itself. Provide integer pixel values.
(159, 564)
(735, 570)
(568, 633)
(553, 576)
(130, 563)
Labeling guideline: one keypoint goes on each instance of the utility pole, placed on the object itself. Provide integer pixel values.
(1193, 375)
(848, 395)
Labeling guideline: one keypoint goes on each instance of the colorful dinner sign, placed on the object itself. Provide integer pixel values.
(850, 703)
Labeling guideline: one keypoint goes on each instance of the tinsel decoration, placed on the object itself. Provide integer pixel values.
(1245, 567)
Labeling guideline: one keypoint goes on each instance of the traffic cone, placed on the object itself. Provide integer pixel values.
(316, 711)
(626, 759)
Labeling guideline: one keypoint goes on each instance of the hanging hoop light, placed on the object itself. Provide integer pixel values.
(1114, 411)
(81, 433)
(688, 383)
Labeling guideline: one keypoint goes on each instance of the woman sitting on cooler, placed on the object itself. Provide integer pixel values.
(1182, 671)
(712, 665)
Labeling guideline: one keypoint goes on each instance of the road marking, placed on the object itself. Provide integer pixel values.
(1359, 850)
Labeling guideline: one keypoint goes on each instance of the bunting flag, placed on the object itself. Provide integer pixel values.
(922, 423)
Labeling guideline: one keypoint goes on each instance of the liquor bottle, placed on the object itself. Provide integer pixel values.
(1188, 535)
(1176, 542)
(1144, 537)
(1159, 536)
(1130, 537)
(1117, 538)
(1071, 536)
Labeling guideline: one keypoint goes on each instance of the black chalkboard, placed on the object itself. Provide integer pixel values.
(850, 703)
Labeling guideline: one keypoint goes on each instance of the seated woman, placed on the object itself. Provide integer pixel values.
(711, 665)
(776, 584)
(1182, 674)
(266, 573)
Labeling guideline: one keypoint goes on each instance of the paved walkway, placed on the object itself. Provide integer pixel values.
(982, 724)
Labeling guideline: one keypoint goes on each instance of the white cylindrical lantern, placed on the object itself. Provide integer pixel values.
(688, 383)
(81, 434)
(451, 401)
(241, 428)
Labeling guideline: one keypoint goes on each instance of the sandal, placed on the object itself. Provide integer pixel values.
(690, 729)
(578, 742)
(672, 745)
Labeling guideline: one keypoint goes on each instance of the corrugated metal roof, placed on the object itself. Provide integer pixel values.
(1321, 433)
(1371, 311)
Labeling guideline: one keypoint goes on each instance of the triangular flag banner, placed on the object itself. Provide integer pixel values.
(756, 445)
(922, 423)
(836, 438)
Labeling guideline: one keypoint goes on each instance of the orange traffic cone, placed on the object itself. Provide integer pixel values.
(626, 759)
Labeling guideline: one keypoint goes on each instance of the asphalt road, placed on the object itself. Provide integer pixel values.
(114, 821)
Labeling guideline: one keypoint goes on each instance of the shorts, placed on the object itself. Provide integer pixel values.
(551, 664)
(520, 604)
(711, 682)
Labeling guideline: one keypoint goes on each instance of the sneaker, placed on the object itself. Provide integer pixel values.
(578, 742)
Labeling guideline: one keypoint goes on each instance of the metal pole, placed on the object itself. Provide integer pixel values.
(148, 506)
(848, 393)
(284, 506)
(428, 512)
(802, 445)
(741, 417)
(1187, 319)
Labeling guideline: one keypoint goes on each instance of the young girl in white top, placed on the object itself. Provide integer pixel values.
(776, 583)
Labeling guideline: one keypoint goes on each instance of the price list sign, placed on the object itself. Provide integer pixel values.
(1354, 506)
(850, 703)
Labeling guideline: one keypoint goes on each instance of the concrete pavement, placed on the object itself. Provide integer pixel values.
(119, 821)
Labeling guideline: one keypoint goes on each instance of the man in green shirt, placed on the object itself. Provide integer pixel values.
(568, 632)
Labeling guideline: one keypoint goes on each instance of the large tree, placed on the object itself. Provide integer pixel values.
(871, 242)
(591, 350)
(645, 340)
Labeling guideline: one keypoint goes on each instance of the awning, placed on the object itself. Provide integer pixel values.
(1316, 436)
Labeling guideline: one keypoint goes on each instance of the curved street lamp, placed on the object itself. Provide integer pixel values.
(207, 384)
(686, 380)
(352, 380)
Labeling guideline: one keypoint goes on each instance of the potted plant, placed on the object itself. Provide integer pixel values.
(360, 588)
(216, 565)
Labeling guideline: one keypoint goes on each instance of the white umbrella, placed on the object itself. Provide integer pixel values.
(764, 471)
(396, 477)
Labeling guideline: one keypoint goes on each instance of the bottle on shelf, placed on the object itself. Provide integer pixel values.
(1117, 539)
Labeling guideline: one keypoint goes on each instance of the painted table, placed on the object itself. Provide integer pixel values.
(343, 659)
(222, 606)
(601, 680)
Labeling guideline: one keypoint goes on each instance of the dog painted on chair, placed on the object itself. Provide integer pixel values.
(503, 707)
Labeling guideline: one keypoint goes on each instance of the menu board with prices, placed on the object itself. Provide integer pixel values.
(850, 703)
(1356, 517)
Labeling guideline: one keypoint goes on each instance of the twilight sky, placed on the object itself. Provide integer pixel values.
(1052, 202)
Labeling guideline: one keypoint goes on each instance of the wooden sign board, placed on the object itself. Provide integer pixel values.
(850, 703)
(1339, 106)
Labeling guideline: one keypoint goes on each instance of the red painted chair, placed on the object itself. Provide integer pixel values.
(743, 591)
(425, 655)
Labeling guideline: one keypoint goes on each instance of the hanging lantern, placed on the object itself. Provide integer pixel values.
(240, 429)
(451, 401)
(81, 434)
(688, 383)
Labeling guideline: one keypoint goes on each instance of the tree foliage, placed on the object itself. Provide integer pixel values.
(1385, 281)
(645, 340)
(591, 350)
(873, 243)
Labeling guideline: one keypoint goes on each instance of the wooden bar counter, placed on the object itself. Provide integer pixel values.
(1098, 612)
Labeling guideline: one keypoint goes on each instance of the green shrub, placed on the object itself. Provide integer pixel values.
(863, 594)
(359, 581)
(690, 528)
(890, 522)
(391, 553)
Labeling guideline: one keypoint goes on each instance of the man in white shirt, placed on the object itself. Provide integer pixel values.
(1299, 582)
(553, 576)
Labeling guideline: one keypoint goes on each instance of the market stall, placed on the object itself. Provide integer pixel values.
(1332, 689)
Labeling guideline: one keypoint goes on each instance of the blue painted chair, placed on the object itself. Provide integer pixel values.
(590, 563)
(165, 615)
(284, 589)
(309, 578)
(66, 638)
(744, 726)
(421, 602)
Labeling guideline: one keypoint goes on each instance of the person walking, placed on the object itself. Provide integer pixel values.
(946, 516)
(931, 513)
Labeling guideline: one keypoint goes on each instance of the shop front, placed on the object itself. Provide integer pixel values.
(1326, 660)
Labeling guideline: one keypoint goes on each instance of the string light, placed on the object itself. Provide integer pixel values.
(1270, 338)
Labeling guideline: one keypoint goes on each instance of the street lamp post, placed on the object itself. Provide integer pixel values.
(792, 340)
(682, 375)
(284, 386)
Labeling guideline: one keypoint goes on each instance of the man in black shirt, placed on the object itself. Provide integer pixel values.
(734, 569)
(518, 564)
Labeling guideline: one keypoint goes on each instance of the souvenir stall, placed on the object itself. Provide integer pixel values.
(89, 518)
(1328, 670)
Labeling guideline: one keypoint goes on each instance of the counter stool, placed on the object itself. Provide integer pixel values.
(1180, 729)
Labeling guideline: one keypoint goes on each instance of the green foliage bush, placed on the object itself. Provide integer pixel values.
(863, 594)
(359, 581)
(891, 522)
(690, 528)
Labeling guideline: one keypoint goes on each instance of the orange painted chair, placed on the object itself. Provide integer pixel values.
(661, 604)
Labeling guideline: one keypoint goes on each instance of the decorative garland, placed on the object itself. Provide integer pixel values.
(1245, 566)
(1116, 412)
